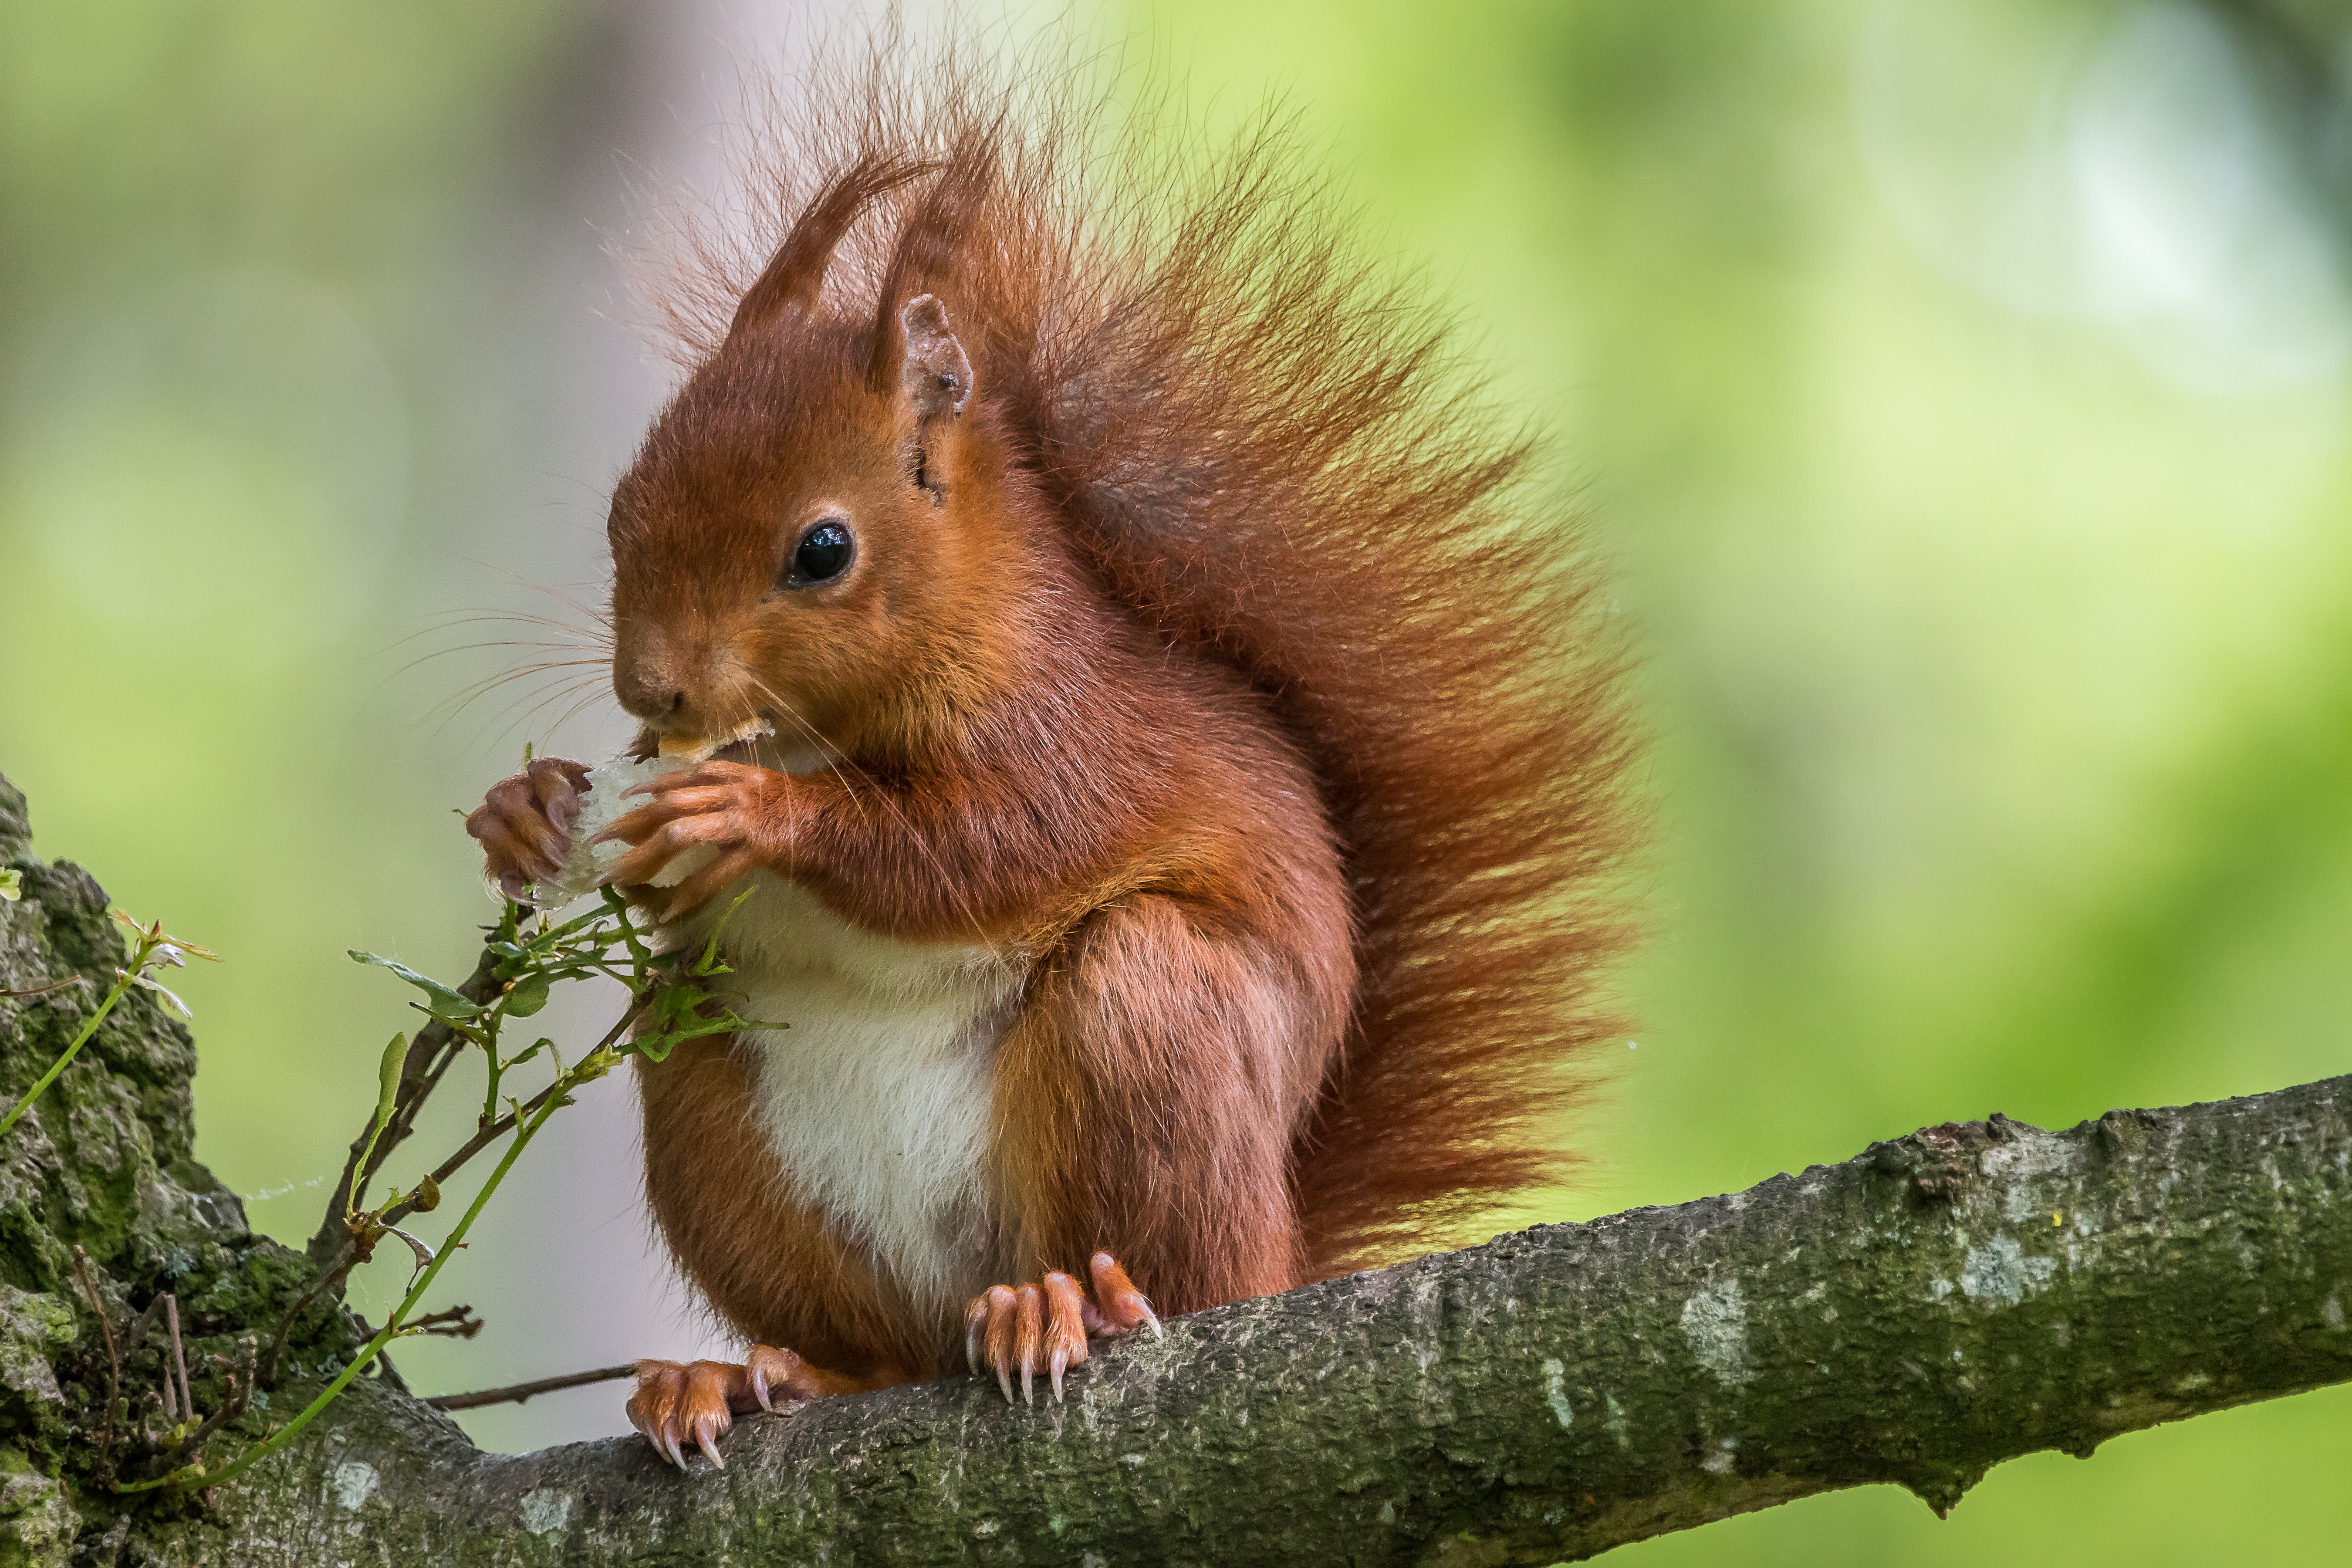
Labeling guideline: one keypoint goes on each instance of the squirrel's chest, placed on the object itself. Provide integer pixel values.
(877, 1096)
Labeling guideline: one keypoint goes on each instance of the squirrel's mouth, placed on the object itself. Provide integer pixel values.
(733, 745)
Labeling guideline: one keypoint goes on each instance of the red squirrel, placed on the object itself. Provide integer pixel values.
(1169, 749)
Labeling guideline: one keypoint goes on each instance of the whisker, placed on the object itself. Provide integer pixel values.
(590, 647)
(601, 617)
(518, 712)
(598, 635)
(534, 666)
(457, 701)
(587, 699)
(547, 691)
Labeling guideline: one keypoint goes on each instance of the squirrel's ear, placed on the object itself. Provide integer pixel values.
(934, 375)
(794, 276)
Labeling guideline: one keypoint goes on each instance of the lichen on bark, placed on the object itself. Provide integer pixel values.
(105, 1161)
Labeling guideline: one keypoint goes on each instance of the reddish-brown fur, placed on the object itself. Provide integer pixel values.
(1216, 655)
(839, 1316)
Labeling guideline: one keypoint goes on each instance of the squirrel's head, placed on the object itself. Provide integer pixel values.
(817, 531)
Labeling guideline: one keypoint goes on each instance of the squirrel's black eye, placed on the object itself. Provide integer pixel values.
(824, 553)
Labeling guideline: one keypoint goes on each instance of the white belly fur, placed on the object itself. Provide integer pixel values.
(876, 1097)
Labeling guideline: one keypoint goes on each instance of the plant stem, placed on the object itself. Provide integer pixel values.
(482, 1138)
(430, 1053)
(348, 1259)
(50, 1077)
(391, 1328)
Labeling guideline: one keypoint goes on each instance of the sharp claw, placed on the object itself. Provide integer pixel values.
(760, 1392)
(668, 1445)
(1054, 1368)
(1004, 1381)
(1026, 1397)
(709, 1449)
(1150, 1317)
(972, 1350)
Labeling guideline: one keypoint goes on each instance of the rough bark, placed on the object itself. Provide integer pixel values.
(1944, 1301)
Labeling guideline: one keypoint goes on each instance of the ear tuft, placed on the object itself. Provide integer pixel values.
(934, 376)
(795, 278)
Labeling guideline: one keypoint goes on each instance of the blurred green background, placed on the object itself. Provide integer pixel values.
(1960, 388)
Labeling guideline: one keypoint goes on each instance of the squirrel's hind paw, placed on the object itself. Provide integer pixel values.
(1037, 1328)
(678, 1402)
(1045, 1327)
(1123, 1308)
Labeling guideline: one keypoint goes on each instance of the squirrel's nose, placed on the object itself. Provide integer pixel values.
(651, 665)
(647, 694)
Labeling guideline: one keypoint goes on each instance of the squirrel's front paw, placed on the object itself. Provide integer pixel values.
(1045, 1327)
(525, 823)
(680, 1402)
(741, 815)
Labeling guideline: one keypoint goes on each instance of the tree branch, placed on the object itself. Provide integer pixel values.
(1966, 1295)
(1945, 1302)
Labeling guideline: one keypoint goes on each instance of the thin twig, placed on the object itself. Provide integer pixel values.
(436, 1044)
(179, 1356)
(353, 1255)
(284, 1435)
(151, 1404)
(136, 1335)
(490, 1132)
(350, 1257)
(515, 1393)
(97, 1303)
(234, 1389)
(453, 1322)
(319, 1287)
(480, 1140)
(43, 990)
(152, 948)
(113, 1365)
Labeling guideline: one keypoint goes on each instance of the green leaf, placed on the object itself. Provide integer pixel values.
(596, 1064)
(12, 884)
(440, 1000)
(627, 933)
(529, 996)
(710, 963)
(387, 1074)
